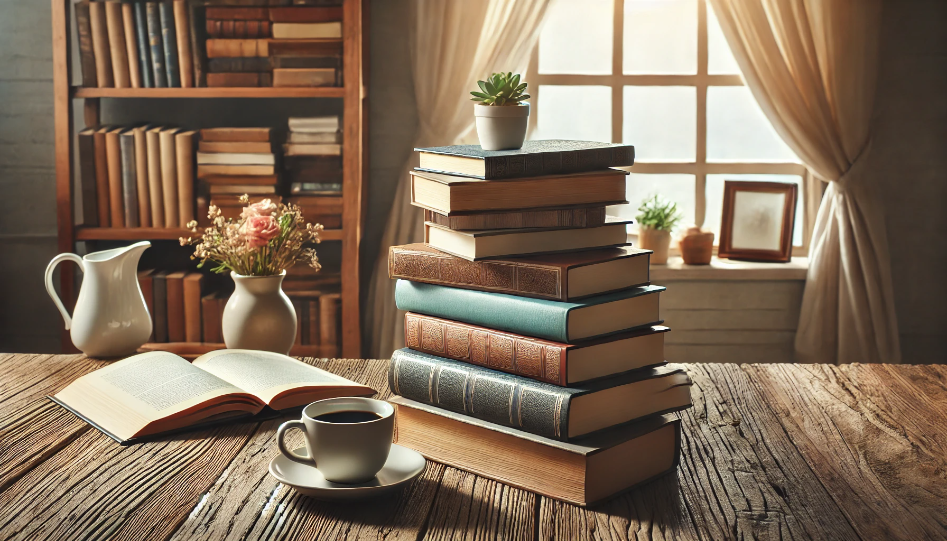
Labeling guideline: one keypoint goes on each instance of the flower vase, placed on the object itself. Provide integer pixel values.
(259, 315)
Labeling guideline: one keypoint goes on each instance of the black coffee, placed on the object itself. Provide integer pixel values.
(348, 417)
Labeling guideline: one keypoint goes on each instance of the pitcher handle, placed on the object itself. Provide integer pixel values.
(52, 290)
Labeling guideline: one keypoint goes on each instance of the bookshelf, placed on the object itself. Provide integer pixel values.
(67, 97)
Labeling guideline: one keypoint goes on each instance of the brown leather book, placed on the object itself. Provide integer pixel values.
(519, 219)
(560, 277)
(210, 318)
(238, 80)
(230, 180)
(542, 360)
(117, 46)
(169, 177)
(174, 283)
(215, 170)
(235, 146)
(141, 176)
(283, 77)
(131, 45)
(193, 282)
(155, 191)
(184, 154)
(101, 177)
(303, 47)
(238, 13)
(86, 52)
(182, 30)
(330, 314)
(237, 48)
(113, 154)
(236, 134)
(100, 45)
(305, 14)
(314, 329)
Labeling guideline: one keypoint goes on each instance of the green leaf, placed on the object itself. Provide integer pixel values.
(524, 97)
(480, 94)
(491, 89)
(521, 87)
(483, 86)
(515, 80)
(501, 100)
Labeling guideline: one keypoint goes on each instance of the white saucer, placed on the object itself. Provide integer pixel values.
(402, 467)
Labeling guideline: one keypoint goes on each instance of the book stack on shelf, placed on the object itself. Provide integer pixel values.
(312, 163)
(236, 161)
(317, 301)
(535, 354)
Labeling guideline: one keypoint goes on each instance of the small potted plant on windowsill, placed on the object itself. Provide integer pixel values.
(656, 218)
(501, 113)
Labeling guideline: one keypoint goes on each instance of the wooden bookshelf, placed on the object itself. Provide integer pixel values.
(67, 97)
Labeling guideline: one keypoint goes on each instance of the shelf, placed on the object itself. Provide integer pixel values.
(202, 92)
(152, 233)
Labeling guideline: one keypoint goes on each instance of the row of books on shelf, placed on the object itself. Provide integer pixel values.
(534, 346)
(185, 43)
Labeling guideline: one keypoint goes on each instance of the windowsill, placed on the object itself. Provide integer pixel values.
(728, 269)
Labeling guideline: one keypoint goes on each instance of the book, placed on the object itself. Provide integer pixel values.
(305, 14)
(156, 44)
(184, 156)
(131, 45)
(86, 51)
(251, 64)
(169, 177)
(316, 188)
(334, 137)
(314, 124)
(146, 285)
(235, 134)
(302, 47)
(198, 37)
(237, 48)
(330, 311)
(300, 30)
(239, 80)
(566, 322)
(227, 180)
(535, 158)
(214, 170)
(102, 177)
(160, 284)
(493, 243)
(542, 360)
(551, 411)
(101, 51)
(155, 189)
(193, 282)
(288, 77)
(175, 302)
(235, 158)
(582, 473)
(238, 13)
(182, 31)
(169, 43)
(323, 168)
(312, 149)
(211, 319)
(560, 277)
(141, 175)
(448, 193)
(145, 395)
(237, 147)
(117, 47)
(217, 29)
(313, 61)
(143, 46)
(113, 152)
(238, 189)
(593, 216)
(312, 305)
(87, 178)
(126, 141)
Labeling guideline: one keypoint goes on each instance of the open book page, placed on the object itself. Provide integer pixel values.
(280, 381)
(158, 390)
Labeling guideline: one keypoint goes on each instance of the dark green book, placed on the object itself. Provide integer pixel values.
(560, 413)
(169, 42)
(126, 145)
(568, 322)
(90, 217)
(535, 158)
(144, 47)
(156, 45)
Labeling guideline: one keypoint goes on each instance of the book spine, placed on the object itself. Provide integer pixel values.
(540, 281)
(578, 217)
(161, 307)
(175, 292)
(131, 45)
(293, 62)
(86, 51)
(155, 191)
(329, 312)
(192, 307)
(184, 155)
(535, 359)
(182, 29)
(169, 177)
(114, 156)
(141, 175)
(238, 13)
(237, 48)
(169, 44)
(551, 163)
(210, 318)
(198, 54)
(90, 217)
(284, 77)
(305, 14)
(100, 45)
(117, 47)
(238, 80)
(101, 179)
(239, 65)
(144, 48)
(477, 392)
(155, 42)
(129, 180)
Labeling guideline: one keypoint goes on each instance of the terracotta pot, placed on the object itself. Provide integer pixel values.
(501, 127)
(697, 246)
(657, 241)
(259, 315)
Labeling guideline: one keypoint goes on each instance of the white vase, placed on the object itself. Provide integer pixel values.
(259, 315)
(501, 127)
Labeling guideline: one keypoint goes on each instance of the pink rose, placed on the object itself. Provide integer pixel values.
(260, 208)
(259, 230)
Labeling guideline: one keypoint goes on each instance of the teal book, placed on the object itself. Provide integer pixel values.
(567, 322)
(560, 413)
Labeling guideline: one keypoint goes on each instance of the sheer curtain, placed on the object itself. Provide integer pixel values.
(455, 43)
(812, 65)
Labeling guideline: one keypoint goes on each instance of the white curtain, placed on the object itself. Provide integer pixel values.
(812, 66)
(454, 44)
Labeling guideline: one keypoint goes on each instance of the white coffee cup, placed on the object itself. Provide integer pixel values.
(348, 438)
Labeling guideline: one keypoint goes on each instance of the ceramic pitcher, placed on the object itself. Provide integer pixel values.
(111, 318)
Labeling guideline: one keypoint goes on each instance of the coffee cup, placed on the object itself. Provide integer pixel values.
(348, 438)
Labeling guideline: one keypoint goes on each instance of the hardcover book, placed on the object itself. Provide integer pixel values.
(198, 37)
(562, 217)
(155, 190)
(141, 175)
(551, 411)
(583, 473)
(300, 30)
(184, 143)
(86, 51)
(235, 134)
(100, 45)
(305, 14)
(235, 147)
(193, 283)
(535, 158)
(144, 47)
(131, 45)
(283, 77)
(542, 360)
(567, 322)
(156, 44)
(169, 176)
(235, 158)
(175, 303)
(211, 319)
(101, 177)
(113, 153)
(129, 178)
(182, 30)
(117, 47)
(303, 47)
(87, 179)
(169, 44)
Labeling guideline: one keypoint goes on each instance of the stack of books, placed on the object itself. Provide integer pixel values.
(317, 301)
(176, 303)
(312, 161)
(535, 354)
(236, 161)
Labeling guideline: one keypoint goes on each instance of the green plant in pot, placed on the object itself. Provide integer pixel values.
(501, 113)
(656, 218)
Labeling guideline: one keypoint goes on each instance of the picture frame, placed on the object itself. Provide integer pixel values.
(757, 221)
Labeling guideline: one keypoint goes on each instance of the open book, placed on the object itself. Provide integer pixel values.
(159, 392)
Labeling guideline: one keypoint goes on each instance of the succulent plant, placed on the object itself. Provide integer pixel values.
(501, 89)
(658, 213)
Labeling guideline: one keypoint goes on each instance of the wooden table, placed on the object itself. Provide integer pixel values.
(769, 451)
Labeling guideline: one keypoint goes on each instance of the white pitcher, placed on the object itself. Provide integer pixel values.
(111, 318)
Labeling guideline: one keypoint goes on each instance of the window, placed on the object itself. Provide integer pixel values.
(657, 74)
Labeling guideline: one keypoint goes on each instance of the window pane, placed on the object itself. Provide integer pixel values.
(660, 37)
(639, 187)
(720, 60)
(737, 130)
(577, 37)
(574, 112)
(715, 201)
(661, 121)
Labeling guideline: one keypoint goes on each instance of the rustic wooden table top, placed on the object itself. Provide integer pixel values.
(769, 451)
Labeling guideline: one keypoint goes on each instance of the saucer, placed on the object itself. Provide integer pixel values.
(402, 467)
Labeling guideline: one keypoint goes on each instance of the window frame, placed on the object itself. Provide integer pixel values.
(700, 168)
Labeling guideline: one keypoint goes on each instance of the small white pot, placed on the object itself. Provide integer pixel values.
(259, 315)
(501, 127)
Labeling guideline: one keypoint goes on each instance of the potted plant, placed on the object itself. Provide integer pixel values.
(256, 250)
(656, 218)
(501, 113)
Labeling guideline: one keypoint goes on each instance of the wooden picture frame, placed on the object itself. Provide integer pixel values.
(757, 221)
